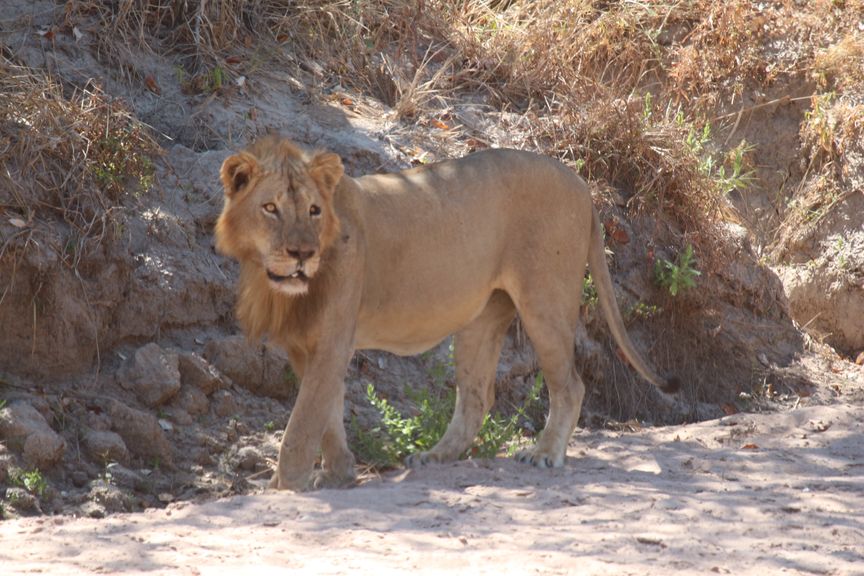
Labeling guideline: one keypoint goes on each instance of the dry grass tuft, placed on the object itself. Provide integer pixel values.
(66, 159)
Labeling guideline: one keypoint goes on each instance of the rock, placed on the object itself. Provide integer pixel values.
(140, 432)
(112, 498)
(224, 404)
(247, 458)
(79, 478)
(125, 478)
(193, 400)
(105, 446)
(177, 416)
(196, 372)
(25, 429)
(153, 375)
(6, 462)
(23, 501)
(92, 510)
(262, 369)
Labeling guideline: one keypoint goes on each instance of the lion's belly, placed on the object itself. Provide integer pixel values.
(411, 329)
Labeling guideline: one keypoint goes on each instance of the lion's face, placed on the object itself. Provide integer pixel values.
(278, 212)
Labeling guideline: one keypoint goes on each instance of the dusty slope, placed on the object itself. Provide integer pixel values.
(747, 494)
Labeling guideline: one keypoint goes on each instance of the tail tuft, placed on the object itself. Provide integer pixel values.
(673, 384)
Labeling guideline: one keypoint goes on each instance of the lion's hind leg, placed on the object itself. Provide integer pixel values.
(477, 348)
(552, 333)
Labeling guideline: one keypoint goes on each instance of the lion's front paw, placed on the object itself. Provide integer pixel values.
(539, 459)
(293, 482)
(332, 479)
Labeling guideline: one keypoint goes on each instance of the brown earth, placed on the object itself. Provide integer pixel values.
(745, 494)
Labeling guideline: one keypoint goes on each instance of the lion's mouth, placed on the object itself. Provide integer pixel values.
(297, 275)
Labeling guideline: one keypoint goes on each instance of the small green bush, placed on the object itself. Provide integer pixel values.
(398, 436)
(32, 481)
(679, 275)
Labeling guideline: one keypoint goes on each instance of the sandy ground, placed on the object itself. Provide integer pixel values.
(747, 494)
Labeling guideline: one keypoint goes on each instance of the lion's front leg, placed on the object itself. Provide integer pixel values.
(337, 469)
(316, 422)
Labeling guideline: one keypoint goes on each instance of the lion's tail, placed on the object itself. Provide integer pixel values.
(606, 295)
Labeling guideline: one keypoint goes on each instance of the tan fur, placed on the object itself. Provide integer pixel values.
(400, 261)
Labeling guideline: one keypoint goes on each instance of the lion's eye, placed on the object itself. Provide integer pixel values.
(270, 208)
(315, 210)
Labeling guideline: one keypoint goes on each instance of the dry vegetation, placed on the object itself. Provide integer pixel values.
(621, 90)
(68, 158)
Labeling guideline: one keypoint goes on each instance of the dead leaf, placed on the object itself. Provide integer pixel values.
(77, 33)
(615, 231)
(620, 236)
(152, 85)
(347, 101)
(233, 60)
(750, 447)
(18, 223)
(475, 144)
(439, 124)
(729, 409)
(48, 34)
(860, 359)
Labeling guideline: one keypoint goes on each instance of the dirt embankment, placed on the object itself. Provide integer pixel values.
(126, 386)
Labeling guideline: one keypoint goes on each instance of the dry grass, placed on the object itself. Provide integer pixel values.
(66, 158)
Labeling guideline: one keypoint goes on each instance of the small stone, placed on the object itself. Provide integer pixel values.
(79, 478)
(105, 446)
(248, 458)
(260, 369)
(112, 498)
(124, 477)
(197, 373)
(193, 400)
(25, 429)
(153, 375)
(224, 404)
(140, 432)
(179, 417)
(92, 510)
(22, 500)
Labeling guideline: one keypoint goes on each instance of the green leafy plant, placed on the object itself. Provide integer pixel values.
(32, 481)
(398, 435)
(679, 275)
(589, 291)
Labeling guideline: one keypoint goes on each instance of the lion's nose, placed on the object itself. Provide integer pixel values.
(301, 253)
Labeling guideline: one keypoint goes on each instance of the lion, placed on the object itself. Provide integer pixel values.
(331, 264)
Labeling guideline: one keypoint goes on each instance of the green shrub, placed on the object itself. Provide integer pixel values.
(679, 275)
(398, 436)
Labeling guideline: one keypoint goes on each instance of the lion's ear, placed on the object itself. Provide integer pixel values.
(326, 169)
(237, 172)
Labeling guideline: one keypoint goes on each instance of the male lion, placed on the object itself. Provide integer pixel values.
(397, 262)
